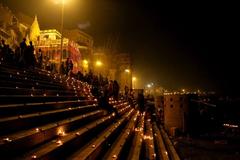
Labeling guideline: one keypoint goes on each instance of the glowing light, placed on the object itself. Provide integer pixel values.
(230, 125)
(98, 63)
(85, 62)
(147, 137)
(59, 142)
(61, 132)
(34, 156)
(7, 139)
(127, 70)
(60, 1)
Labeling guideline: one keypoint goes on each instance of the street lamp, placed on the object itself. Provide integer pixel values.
(85, 62)
(134, 81)
(85, 65)
(127, 71)
(98, 63)
(61, 30)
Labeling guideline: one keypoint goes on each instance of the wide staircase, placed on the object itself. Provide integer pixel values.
(50, 116)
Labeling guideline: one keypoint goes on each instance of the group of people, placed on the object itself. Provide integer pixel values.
(25, 56)
(22, 56)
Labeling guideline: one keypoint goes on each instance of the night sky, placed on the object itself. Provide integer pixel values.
(190, 45)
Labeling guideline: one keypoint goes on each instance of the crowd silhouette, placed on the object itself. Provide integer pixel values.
(26, 56)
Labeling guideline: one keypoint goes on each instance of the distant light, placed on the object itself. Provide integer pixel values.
(230, 125)
(34, 156)
(61, 132)
(134, 78)
(149, 85)
(60, 1)
(59, 142)
(127, 70)
(85, 62)
(98, 63)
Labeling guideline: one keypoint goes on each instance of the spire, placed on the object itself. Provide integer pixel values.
(34, 30)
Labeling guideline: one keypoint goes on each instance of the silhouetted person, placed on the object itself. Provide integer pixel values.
(104, 101)
(130, 98)
(115, 90)
(23, 49)
(79, 75)
(110, 87)
(68, 65)
(140, 101)
(126, 90)
(17, 54)
(4, 50)
(30, 58)
(40, 58)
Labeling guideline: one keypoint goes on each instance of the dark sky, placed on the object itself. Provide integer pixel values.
(190, 45)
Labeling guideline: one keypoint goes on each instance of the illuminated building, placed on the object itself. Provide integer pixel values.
(123, 66)
(50, 44)
(85, 46)
(34, 31)
(159, 107)
(177, 109)
(175, 112)
(100, 62)
(77, 45)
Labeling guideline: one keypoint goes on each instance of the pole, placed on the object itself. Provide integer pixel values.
(61, 54)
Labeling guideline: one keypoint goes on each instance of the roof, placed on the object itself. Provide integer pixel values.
(74, 34)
